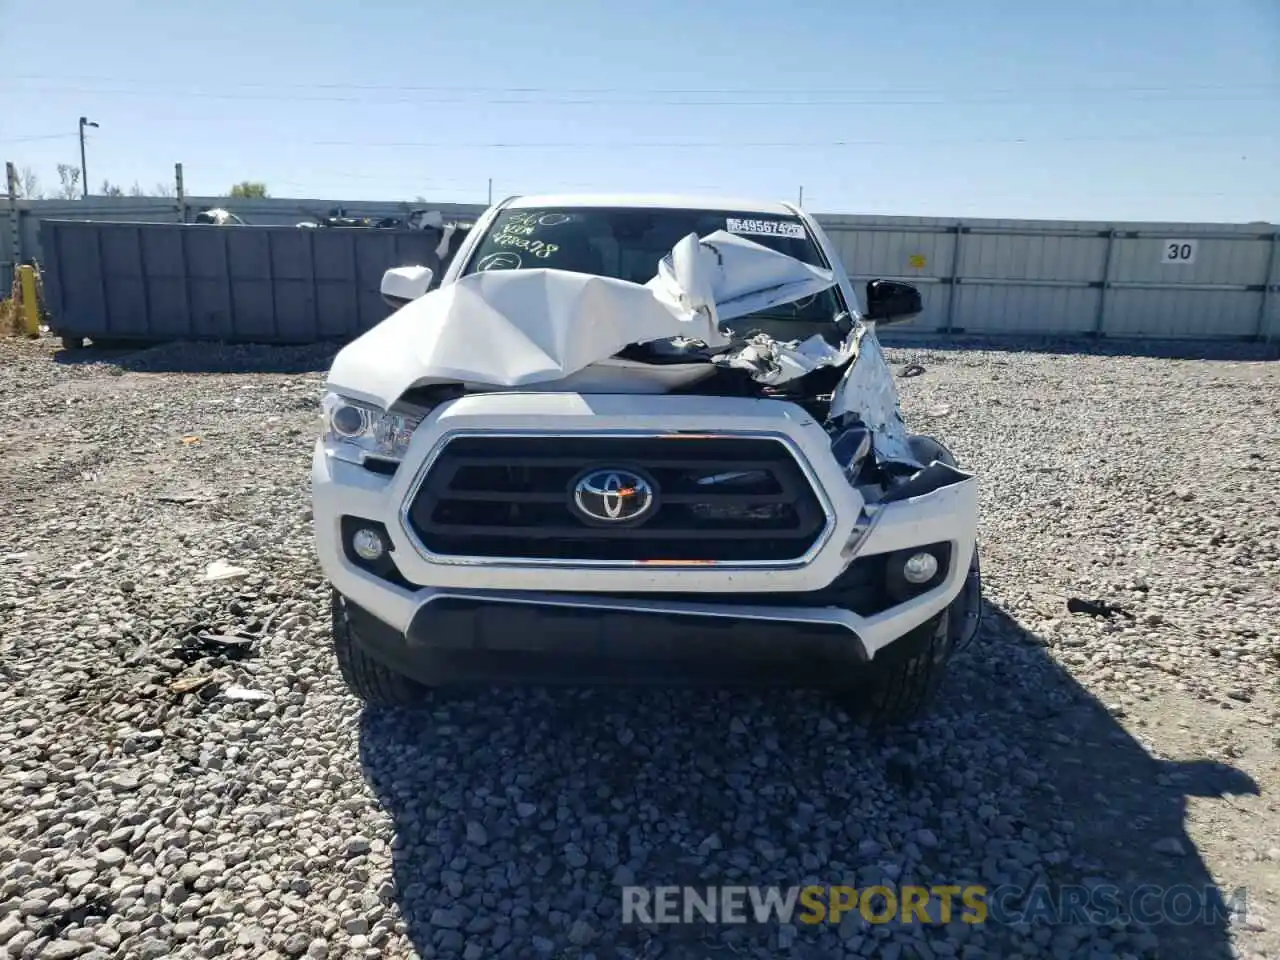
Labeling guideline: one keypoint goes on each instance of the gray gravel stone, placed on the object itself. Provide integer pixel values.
(504, 823)
(62, 950)
(446, 918)
(1170, 845)
(9, 926)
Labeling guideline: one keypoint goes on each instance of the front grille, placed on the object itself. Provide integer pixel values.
(511, 497)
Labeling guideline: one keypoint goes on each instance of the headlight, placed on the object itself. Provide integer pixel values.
(354, 430)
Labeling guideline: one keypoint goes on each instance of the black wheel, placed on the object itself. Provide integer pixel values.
(73, 343)
(369, 679)
(905, 675)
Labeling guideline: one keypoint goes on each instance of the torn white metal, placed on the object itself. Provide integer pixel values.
(446, 237)
(733, 276)
(772, 363)
(866, 391)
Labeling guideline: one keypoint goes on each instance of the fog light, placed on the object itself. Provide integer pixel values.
(919, 568)
(368, 545)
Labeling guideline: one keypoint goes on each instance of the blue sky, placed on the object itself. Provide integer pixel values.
(1093, 109)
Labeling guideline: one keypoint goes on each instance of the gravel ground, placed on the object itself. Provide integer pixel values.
(182, 775)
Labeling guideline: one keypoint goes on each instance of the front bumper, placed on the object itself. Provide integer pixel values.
(626, 601)
(460, 640)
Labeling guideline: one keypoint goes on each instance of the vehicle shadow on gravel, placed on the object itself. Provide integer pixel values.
(193, 357)
(519, 813)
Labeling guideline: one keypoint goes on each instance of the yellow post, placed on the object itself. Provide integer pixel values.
(30, 309)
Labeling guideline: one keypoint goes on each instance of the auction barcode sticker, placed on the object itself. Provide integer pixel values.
(765, 228)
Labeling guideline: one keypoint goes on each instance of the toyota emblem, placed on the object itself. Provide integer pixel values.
(614, 495)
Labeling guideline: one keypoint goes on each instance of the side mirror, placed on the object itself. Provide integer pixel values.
(889, 301)
(400, 285)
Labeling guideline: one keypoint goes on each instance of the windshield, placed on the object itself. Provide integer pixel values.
(628, 243)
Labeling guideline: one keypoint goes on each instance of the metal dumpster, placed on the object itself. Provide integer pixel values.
(243, 284)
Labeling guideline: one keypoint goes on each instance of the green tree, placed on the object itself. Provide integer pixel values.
(249, 190)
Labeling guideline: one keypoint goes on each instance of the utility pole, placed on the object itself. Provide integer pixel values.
(800, 201)
(180, 193)
(491, 191)
(15, 218)
(84, 170)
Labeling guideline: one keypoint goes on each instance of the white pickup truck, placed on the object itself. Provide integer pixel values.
(642, 439)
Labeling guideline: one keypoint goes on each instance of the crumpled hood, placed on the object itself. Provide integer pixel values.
(513, 328)
(730, 276)
(506, 329)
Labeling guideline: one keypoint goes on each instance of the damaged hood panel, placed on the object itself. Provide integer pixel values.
(529, 328)
(515, 328)
(510, 328)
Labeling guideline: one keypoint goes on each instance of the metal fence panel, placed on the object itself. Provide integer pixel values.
(1194, 314)
(1233, 261)
(987, 308)
(993, 276)
(1062, 277)
(183, 281)
(1012, 257)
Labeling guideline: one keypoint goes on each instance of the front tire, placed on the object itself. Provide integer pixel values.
(906, 675)
(369, 679)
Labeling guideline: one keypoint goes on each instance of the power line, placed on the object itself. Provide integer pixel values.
(639, 98)
(1022, 89)
(41, 136)
(789, 144)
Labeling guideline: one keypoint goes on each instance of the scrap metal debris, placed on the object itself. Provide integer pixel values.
(1096, 608)
(911, 370)
(190, 683)
(211, 645)
(245, 694)
(221, 570)
(218, 217)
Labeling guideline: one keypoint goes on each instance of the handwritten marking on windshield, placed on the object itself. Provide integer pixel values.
(538, 248)
(528, 219)
(502, 260)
